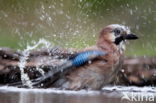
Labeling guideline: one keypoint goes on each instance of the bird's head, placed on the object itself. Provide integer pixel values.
(116, 34)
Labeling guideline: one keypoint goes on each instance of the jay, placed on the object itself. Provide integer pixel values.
(93, 67)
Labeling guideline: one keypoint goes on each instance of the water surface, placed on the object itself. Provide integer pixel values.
(107, 95)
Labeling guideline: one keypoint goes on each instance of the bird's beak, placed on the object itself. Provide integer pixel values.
(125, 37)
(131, 37)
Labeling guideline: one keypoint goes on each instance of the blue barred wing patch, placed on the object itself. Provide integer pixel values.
(86, 56)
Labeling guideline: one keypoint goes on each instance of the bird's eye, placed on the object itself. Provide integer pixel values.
(117, 32)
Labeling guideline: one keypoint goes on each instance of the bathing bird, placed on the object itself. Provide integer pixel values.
(95, 66)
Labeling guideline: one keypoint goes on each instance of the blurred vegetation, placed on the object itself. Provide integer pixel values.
(76, 23)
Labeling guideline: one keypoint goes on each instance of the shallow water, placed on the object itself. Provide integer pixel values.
(107, 95)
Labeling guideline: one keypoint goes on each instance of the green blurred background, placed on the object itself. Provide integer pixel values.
(76, 23)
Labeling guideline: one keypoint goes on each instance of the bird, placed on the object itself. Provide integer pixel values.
(96, 66)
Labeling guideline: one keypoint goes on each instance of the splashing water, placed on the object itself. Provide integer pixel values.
(25, 56)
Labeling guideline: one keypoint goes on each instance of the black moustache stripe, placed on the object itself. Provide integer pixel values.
(118, 40)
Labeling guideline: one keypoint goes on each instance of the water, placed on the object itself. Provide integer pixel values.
(25, 56)
(108, 95)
